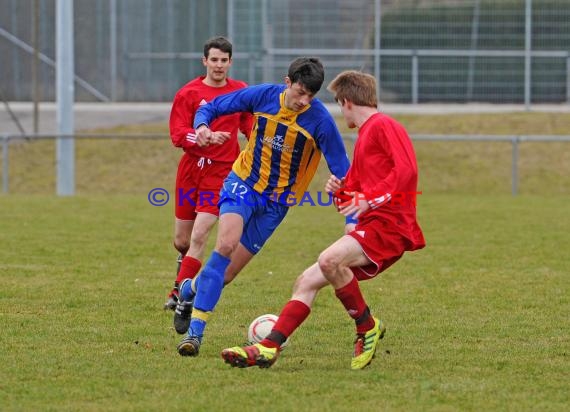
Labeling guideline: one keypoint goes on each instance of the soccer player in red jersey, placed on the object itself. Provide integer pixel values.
(202, 168)
(379, 189)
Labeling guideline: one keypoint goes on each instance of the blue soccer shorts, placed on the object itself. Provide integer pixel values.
(261, 216)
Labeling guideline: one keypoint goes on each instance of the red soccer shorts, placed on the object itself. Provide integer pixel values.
(198, 183)
(382, 245)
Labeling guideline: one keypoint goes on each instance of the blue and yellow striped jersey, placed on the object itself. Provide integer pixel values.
(284, 148)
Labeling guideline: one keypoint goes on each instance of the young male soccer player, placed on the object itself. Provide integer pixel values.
(202, 169)
(290, 132)
(384, 167)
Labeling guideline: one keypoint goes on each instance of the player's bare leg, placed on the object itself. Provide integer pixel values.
(335, 263)
(265, 353)
(210, 281)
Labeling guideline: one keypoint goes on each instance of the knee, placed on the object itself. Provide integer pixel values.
(328, 263)
(225, 247)
(181, 244)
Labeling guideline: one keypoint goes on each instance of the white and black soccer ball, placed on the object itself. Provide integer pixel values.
(261, 327)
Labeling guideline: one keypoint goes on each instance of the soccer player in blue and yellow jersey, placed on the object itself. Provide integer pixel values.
(291, 130)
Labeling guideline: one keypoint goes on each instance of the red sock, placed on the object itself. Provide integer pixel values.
(292, 315)
(188, 269)
(353, 301)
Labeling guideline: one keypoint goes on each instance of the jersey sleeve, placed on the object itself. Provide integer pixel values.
(332, 146)
(333, 149)
(242, 100)
(182, 132)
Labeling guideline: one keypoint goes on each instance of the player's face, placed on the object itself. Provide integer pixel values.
(217, 65)
(346, 111)
(297, 96)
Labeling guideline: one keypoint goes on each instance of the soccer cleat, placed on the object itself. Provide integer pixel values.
(254, 355)
(365, 345)
(189, 346)
(172, 301)
(182, 315)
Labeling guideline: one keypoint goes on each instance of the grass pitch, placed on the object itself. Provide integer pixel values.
(476, 321)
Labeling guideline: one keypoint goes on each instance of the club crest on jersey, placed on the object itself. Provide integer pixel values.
(277, 142)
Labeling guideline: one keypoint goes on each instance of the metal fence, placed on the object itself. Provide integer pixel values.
(515, 142)
(503, 51)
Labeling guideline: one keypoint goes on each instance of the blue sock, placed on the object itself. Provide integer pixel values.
(197, 327)
(209, 290)
(186, 292)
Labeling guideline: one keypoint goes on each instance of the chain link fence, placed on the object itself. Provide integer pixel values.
(455, 51)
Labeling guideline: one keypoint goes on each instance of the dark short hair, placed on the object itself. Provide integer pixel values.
(307, 71)
(218, 42)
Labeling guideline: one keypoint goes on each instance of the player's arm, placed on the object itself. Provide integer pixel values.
(331, 144)
(182, 132)
(242, 100)
(349, 199)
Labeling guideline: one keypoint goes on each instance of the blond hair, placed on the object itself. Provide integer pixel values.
(358, 87)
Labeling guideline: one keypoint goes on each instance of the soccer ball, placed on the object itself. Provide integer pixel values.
(260, 328)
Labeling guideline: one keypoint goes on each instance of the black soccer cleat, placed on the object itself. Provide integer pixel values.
(189, 346)
(182, 315)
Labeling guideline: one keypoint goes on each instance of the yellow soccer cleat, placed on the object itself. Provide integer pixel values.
(254, 355)
(365, 345)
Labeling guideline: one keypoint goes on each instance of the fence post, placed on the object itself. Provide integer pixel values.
(113, 48)
(5, 166)
(514, 167)
(377, 44)
(415, 78)
(528, 57)
(267, 43)
(568, 79)
(65, 146)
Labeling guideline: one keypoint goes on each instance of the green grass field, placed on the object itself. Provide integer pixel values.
(478, 320)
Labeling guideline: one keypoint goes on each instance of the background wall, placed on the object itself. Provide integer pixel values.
(420, 50)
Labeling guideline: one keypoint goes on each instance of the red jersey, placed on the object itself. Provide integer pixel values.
(187, 101)
(385, 171)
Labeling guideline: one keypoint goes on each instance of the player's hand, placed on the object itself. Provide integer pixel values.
(355, 206)
(349, 227)
(219, 137)
(203, 136)
(333, 184)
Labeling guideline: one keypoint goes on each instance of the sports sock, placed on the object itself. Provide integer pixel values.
(353, 301)
(292, 315)
(179, 262)
(187, 292)
(198, 323)
(189, 268)
(211, 282)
